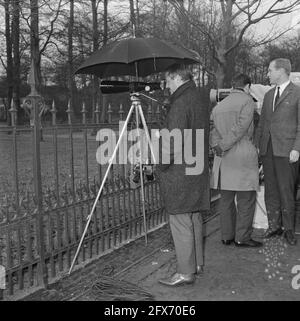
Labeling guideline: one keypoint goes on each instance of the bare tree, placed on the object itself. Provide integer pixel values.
(9, 58)
(138, 24)
(16, 53)
(132, 17)
(70, 58)
(35, 40)
(105, 39)
(41, 34)
(237, 16)
(95, 4)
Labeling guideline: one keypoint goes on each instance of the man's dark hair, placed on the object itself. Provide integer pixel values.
(182, 70)
(241, 80)
(283, 63)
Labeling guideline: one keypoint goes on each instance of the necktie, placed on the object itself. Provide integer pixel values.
(276, 97)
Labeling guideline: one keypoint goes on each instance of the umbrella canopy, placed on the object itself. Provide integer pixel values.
(137, 57)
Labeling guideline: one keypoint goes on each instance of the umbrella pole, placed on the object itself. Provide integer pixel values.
(102, 185)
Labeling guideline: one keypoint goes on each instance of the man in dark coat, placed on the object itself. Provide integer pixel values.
(184, 177)
(278, 140)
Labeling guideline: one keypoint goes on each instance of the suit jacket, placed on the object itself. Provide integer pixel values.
(281, 126)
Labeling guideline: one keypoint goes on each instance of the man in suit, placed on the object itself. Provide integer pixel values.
(278, 140)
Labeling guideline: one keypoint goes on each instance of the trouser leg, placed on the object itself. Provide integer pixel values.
(227, 214)
(198, 237)
(246, 208)
(272, 194)
(287, 174)
(183, 236)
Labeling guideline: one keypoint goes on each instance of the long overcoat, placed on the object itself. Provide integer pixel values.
(237, 169)
(182, 192)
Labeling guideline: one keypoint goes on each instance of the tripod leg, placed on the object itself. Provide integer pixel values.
(141, 172)
(146, 131)
(102, 185)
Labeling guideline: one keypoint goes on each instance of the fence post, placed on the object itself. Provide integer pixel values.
(149, 113)
(83, 112)
(158, 114)
(34, 103)
(69, 112)
(121, 112)
(13, 111)
(97, 112)
(53, 111)
(109, 111)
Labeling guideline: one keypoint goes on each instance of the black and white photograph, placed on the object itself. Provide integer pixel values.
(149, 153)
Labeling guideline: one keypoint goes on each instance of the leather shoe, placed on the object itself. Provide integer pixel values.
(178, 279)
(227, 242)
(199, 270)
(250, 243)
(290, 237)
(270, 233)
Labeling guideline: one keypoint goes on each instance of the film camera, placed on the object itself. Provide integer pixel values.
(115, 87)
(148, 172)
(217, 95)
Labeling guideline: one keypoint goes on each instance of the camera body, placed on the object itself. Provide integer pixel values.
(148, 174)
(217, 95)
(115, 87)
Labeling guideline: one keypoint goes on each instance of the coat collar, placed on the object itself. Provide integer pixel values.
(238, 90)
(181, 89)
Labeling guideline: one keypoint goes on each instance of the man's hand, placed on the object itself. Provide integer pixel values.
(294, 156)
(218, 151)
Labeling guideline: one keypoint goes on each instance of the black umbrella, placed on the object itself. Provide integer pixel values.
(137, 57)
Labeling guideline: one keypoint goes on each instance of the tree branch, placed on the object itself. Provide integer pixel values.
(51, 27)
(269, 13)
(3, 64)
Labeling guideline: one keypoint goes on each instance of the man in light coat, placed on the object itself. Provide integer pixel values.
(235, 168)
(278, 140)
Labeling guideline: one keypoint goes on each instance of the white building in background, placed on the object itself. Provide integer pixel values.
(295, 77)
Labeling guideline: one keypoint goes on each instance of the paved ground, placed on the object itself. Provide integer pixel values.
(232, 274)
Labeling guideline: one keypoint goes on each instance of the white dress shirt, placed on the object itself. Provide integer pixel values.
(281, 89)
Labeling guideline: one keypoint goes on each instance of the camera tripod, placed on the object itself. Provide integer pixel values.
(139, 115)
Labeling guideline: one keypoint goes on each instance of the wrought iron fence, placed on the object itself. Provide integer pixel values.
(50, 179)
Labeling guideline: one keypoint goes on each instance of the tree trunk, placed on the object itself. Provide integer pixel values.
(223, 44)
(132, 18)
(220, 76)
(220, 72)
(105, 38)
(70, 59)
(16, 56)
(34, 40)
(138, 29)
(95, 47)
(9, 69)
